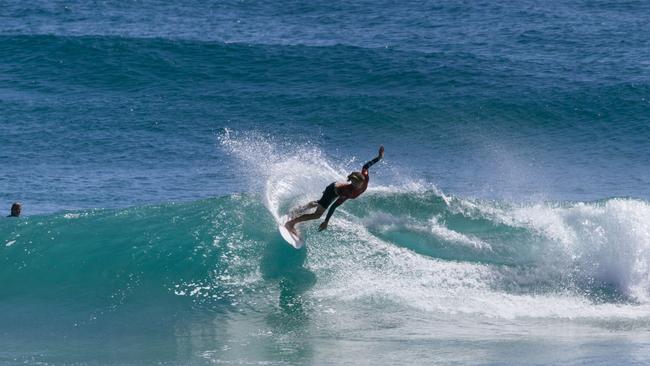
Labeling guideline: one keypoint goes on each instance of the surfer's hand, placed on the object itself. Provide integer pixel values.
(323, 226)
(381, 152)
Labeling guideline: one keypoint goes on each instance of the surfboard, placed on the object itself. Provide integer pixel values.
(294, 240)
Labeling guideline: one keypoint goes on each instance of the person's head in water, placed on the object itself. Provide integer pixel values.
(15, 209)
(356, 179)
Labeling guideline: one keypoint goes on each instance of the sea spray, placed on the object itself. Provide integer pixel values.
(288, 174)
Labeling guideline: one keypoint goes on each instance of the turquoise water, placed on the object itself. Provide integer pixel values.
(154, 146)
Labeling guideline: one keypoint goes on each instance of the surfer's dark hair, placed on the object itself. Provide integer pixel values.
(356, 176)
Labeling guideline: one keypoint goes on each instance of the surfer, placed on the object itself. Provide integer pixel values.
(358, 184)
(15, 209)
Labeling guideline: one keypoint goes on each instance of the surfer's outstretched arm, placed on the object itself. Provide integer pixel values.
(333, 207)
(373, 161)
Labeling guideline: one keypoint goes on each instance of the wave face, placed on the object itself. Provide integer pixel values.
(210, 253)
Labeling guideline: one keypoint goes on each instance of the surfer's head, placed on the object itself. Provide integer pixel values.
(15, 209)
(356, 179)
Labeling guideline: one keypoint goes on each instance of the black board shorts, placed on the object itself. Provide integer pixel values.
(329, 195)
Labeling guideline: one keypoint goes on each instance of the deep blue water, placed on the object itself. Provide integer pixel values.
(154, 145)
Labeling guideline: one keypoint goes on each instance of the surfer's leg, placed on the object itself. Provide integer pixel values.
(313, 216)
(302, 209)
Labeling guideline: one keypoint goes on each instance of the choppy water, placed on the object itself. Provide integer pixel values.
(155, 145)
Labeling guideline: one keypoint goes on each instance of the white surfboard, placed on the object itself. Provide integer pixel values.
(293, 240)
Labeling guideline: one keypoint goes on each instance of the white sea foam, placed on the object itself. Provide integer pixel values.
(608, 242)
(376, 269)
(293, 176)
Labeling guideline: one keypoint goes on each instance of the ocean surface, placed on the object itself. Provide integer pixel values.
(154, 146)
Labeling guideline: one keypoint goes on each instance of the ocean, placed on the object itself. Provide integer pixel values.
(155, 145)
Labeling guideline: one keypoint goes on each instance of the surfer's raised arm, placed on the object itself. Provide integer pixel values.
(373, 161)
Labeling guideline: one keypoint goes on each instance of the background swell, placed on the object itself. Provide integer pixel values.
(108, 121)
